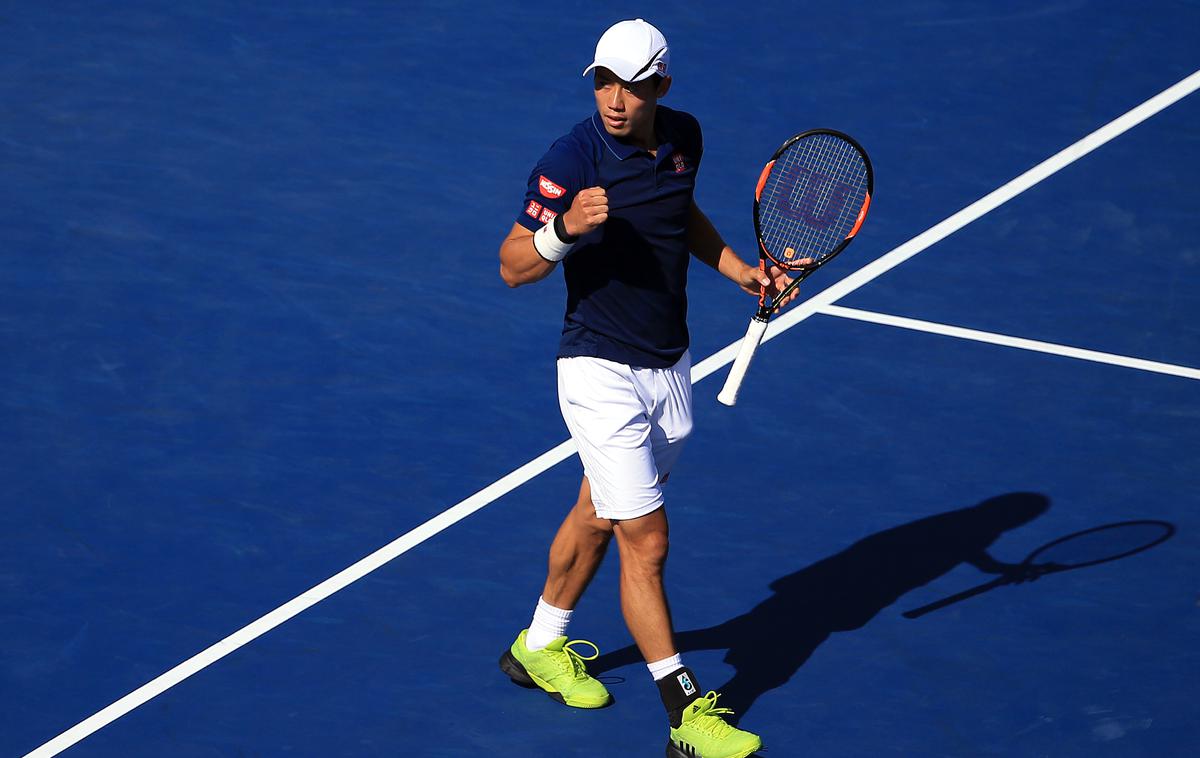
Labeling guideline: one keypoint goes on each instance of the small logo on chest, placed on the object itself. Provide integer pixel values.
(680, 162)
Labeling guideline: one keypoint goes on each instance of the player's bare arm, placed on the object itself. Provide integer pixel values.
(520, 261)
(707, 245)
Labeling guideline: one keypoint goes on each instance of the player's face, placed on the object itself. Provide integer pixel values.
(627, 108)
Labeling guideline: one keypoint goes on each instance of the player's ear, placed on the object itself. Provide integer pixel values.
(664, 86)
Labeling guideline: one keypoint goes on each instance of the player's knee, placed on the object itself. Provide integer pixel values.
(651, 549)
(599, 536)
(587, 523)
(589, 537)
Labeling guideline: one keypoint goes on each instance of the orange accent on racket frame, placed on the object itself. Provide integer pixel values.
(762, 180)
(862, 216)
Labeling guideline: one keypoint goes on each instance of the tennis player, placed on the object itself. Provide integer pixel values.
(612, 200)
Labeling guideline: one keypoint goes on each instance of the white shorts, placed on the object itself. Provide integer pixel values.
(629, 425)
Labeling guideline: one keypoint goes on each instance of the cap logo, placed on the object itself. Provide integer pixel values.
(549, 189)
(652, 62)
(661, 68)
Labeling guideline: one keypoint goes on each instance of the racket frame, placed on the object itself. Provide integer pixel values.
(768, 306)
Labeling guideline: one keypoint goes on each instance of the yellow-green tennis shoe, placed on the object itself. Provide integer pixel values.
(705, 734)
(558, 670)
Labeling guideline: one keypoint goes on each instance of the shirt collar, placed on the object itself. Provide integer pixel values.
(615, 146)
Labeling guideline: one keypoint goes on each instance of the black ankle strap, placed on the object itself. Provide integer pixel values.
(677, 690)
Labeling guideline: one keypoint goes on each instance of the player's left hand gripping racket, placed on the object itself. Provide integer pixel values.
(810, 201)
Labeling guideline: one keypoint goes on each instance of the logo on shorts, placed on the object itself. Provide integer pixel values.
(549, 189)
(533, 209)
(680, 162)
(547, 216)
(685, 682)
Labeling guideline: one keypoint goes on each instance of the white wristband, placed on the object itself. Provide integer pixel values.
(549, 246)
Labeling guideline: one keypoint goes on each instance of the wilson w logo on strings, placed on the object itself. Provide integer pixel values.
(810, 197)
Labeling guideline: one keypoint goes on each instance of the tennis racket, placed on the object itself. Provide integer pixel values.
(1090, 547)
(810, 201)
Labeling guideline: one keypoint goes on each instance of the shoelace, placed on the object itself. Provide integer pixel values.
(707, 716)
(578, 669)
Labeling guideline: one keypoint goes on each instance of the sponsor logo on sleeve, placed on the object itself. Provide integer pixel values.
(680, 162)
(533, 209)
(547, 216)
(550, 189)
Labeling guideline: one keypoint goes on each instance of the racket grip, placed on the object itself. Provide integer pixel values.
(737, 372)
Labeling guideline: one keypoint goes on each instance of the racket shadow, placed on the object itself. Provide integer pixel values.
(768, 645)
(1090, 547)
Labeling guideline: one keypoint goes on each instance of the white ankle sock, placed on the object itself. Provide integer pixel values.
(549, 623)
(659, 669)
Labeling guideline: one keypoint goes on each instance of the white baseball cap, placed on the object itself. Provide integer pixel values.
(633, 50)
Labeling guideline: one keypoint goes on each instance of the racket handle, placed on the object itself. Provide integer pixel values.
(737, 372)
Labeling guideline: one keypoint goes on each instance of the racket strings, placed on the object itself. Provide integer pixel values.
(812, 198)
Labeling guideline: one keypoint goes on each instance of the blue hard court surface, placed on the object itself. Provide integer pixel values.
(252, 331)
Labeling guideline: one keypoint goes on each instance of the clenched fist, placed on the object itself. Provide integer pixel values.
(588, 211)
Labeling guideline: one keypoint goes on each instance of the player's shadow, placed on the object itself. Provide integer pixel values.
(769, 644)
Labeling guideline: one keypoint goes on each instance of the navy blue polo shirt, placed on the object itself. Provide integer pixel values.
(626, 280)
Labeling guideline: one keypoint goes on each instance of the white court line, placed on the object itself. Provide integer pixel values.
(1018, 342)
(306, 600)
(985, 204)
(564, 450)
